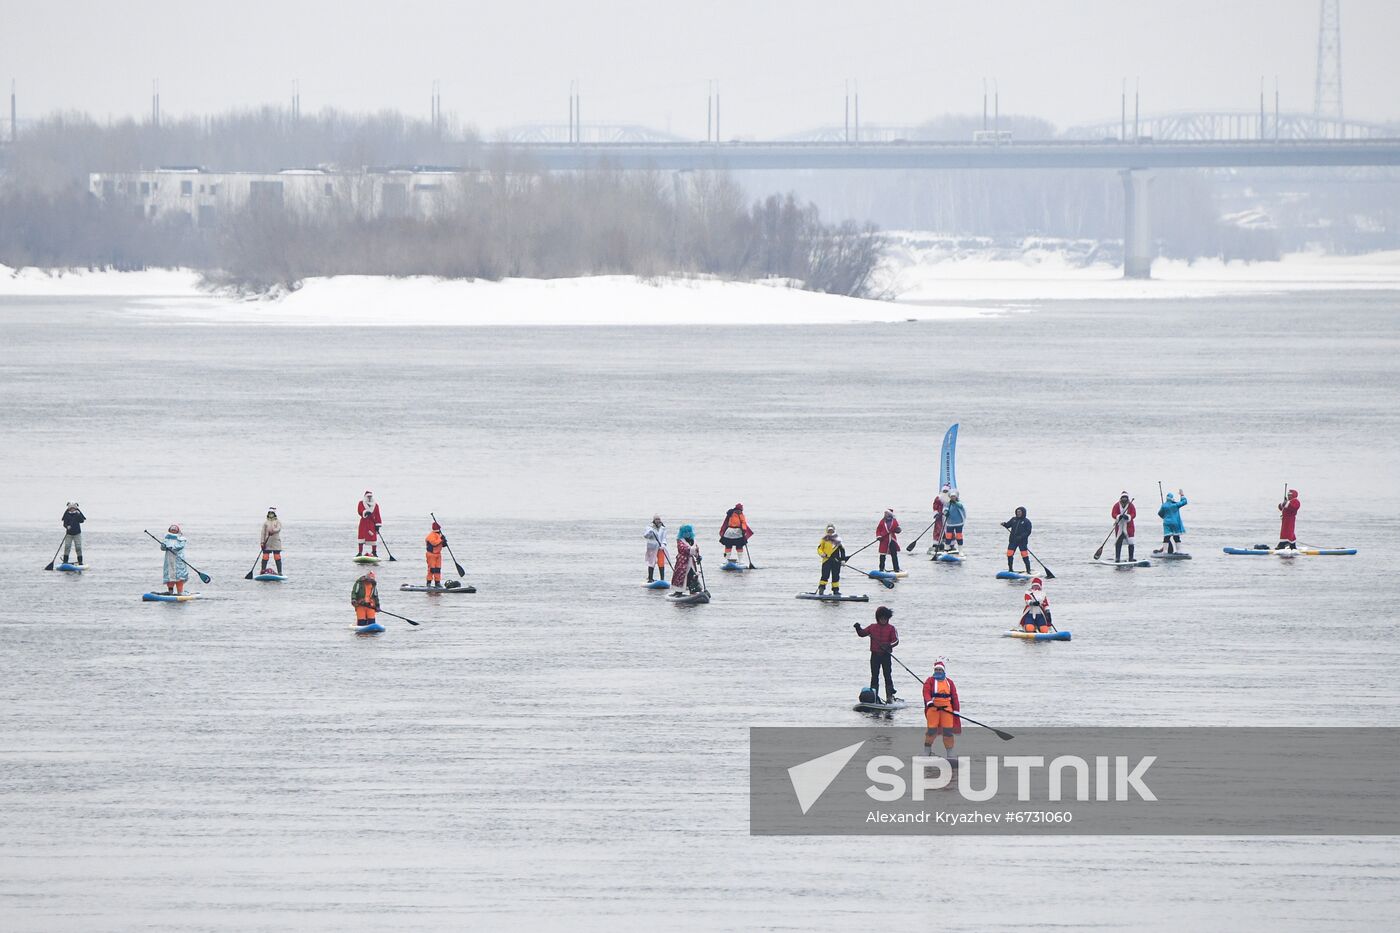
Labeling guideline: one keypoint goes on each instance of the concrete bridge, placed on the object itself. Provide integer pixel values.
(1136, 160)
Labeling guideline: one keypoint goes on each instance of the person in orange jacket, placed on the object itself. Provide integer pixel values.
(1035, 611)
(940, 704)
(734, 532)
(364, 596)
(436, 541)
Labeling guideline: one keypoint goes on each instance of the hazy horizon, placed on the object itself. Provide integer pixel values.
(779, 68)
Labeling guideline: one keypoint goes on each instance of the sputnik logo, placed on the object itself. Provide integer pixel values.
(811, 778)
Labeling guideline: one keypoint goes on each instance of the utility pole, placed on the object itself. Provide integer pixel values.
(857, 111)
(848, 110)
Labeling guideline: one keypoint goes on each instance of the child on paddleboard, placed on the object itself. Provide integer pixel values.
(1019, 528)
(1172, 526)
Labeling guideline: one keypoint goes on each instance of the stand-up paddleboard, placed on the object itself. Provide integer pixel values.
(1013, 575)
(168, 597)
(71, 568)
(420, 588)
(901, 574)
(1174, 555)
(656, 585)
(733, 566)
(370, 629)
(1290, 552)
(883, 575)
(947, 557)
(1122, 564)
(271, 577)
(692, 599)
(365, 559)
(879, 707)
(1036, 636)
(834, 598)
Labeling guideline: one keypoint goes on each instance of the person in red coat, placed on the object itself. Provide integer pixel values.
(370, 521)
(940, 705)
(1287, 532)
(886, 532)
(1125, 522)
(883, 640)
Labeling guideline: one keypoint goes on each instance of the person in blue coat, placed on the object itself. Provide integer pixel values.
(954, 517)
(176, 570)
(1172, 527)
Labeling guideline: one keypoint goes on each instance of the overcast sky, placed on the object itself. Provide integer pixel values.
(781, 66)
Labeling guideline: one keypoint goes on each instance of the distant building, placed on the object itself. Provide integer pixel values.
(201, 197)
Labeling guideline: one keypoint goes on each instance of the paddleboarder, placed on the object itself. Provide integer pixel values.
(364, 596)
(370, 520)
(886, 532)
(1035, 610)
(940, 703)
(1288, 513)
(833, 554)
(954, 515)
(883, 640)
(176, 570)
(1172, 526)
(940, 502)
(734, 532)
(655, 536)
(435, 543)
(683, 578)
(1018, 526)
(73, 519)
(272, 540)
(1124, 515)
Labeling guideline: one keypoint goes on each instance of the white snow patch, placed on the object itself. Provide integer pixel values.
(79, 283)
(355, 300)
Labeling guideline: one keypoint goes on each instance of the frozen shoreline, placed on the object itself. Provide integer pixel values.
(927, 280)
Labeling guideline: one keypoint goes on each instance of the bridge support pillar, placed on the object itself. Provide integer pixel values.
(1137, 224)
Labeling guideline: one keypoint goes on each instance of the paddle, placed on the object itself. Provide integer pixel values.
(1004, 736)
(887, 584)
(1160, 498)
(858, 550)
(749, 555)
(249, 574)
(1049, 574)
(386, 545)
(202, 575)
(909, 548)
(700, 569)
(396, 616)
(1111, 532)
(461, 571)
(49, 565)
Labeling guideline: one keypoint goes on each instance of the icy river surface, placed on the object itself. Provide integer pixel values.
(564, 750)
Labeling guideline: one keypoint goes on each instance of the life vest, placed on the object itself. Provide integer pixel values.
(434, 542)
(940, 694)
(827, 547)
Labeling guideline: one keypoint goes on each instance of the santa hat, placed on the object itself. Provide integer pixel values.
(941, 662)
(1036, 582)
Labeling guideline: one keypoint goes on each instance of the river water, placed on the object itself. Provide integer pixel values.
(564, 750)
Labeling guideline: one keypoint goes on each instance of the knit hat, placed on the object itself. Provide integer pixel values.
(437, 527)
(173, 529)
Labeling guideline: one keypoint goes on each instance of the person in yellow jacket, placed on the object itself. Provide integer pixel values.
(832, 552)
(436, 543)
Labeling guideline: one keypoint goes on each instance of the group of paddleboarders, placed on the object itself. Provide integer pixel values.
(941, 702)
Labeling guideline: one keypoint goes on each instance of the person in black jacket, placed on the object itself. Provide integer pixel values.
(1019, 528)
(73, 519)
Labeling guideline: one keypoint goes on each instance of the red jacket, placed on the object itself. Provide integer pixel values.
(369, 520)
(951, 689)
(1289, 510)
(886, 531)
(882, 635)
(1132, 515)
